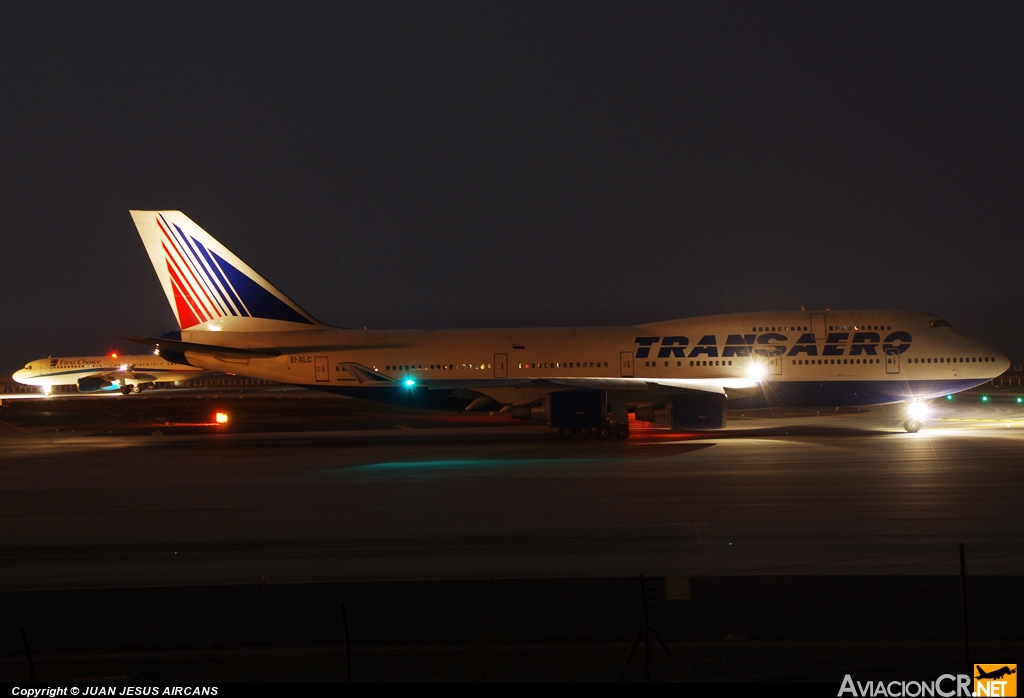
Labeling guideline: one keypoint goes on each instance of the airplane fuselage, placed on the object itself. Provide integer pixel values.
(125, 370)
(799, 358)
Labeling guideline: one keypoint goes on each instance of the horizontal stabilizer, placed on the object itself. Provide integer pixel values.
(177, 346)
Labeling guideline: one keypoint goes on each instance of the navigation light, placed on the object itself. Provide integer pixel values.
(984, 398)
(949, 397)
(1020, 399)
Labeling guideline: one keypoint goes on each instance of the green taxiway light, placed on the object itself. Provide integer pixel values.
(949, 397)
(984, 398)
(1020, 399)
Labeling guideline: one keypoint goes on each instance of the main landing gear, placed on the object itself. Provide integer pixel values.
(618, 430)
(137, 388)
(913, 425)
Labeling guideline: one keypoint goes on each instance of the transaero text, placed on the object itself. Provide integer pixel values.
(775, 344)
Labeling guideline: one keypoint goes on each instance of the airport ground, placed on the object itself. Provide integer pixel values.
(141, 540)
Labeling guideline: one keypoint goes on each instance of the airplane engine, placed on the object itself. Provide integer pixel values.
(686, 412)
(92, 384)
(567, 408)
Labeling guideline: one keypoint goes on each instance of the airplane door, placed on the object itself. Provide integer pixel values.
(892, 361)
(501, 365)
(322, 369)
(818, 327)
(626, 364)
(775, 364)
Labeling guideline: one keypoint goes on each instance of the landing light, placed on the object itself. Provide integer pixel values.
(917, 410)
(409, 382)
(222, 418)
(756, 372)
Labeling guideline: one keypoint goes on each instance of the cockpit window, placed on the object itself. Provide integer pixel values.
(940, 323)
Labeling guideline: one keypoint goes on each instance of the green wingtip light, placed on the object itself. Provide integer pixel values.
(949, 397)
(984, 398)
(1020, 399)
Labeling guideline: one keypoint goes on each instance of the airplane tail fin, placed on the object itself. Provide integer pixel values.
(207, 286)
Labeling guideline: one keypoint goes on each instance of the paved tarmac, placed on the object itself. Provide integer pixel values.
(848, 494)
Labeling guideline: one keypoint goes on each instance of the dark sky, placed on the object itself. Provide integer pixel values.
(492, 164)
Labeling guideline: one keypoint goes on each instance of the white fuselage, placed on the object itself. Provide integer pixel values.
(892, 355)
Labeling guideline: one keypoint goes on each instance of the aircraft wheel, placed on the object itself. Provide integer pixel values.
(604, 431)
(565, 432)
(584, 432)
(621, 430)
(126, 390)
(136, 388)
(912, 425)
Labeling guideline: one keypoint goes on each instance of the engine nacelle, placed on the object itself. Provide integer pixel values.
(693, 411)
(535, 411)
(567, 408)
(91, 384)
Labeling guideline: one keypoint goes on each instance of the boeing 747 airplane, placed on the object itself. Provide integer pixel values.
(579, 380)
(98, 374)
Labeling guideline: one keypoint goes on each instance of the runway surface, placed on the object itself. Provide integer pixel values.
(840, 494)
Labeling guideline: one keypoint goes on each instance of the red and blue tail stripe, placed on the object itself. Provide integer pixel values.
(206, 287)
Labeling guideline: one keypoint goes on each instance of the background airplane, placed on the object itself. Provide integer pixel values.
(96, 374)
(579, 380)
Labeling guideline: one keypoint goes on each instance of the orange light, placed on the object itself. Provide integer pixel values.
(222, 418)
(113, 354)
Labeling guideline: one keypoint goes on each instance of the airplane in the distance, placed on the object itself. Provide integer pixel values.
(580, 380)
(103, 374)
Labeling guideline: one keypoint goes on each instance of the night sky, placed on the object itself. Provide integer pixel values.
(491, 164)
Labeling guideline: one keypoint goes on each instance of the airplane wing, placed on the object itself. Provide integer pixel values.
(654, 387)
(621, 384)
